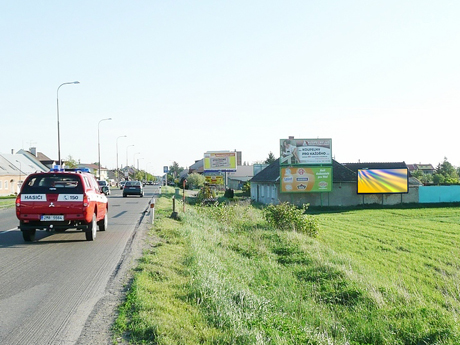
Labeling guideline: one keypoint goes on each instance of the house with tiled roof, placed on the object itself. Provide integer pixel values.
(265, 187)
(425, 168)
(94, 169)
(39, 156)
(14, 168)
(236, 179)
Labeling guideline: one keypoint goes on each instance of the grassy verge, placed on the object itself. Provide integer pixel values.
(156, 310)
(221, 275)
(6, 202)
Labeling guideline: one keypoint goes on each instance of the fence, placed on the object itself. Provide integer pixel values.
(434, 194)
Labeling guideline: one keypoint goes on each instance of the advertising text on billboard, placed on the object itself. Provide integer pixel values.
(304, 179)
(305, 151)
(220, 161)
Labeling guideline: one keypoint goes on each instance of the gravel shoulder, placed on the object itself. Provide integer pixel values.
(97, 329)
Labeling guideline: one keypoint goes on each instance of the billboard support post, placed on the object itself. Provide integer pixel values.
(183, 195)
(306, 166)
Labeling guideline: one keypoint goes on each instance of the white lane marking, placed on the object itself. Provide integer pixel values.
(3, 232)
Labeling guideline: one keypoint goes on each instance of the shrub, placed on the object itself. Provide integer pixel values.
(286, 216)
(247, 188)
(195, 180)
(206, 194)
(229, 193)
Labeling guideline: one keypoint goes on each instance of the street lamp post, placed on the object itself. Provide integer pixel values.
(138, 162)
(127, 157)
(58, 127)
(147, 169)
(116, 170)
(143, 177)
(99, 145)
(134, 159)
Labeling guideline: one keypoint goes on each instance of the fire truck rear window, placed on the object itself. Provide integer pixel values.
(53, 184)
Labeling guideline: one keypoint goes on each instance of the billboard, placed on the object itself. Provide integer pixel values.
(306, 179)
(305, 151)
(220, 161)
(214, 179)
(373, 181)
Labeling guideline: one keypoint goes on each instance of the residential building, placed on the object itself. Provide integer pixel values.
(425, 168)
(14, 168)
(243, 173)
(94, 169)
(265, 188)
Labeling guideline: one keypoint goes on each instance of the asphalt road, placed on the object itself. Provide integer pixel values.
(54, 290)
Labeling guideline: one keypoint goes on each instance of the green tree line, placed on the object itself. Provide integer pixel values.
(445, 173)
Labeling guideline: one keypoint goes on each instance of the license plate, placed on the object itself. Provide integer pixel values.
(52, 218)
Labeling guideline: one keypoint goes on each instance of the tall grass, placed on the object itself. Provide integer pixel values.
(223, 275)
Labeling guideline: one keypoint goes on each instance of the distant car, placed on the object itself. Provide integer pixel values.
(122, 184)
(60, 200)
(105, 187)
(133, 188)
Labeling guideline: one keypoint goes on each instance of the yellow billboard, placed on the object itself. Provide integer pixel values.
(213, 179)
(220, 161)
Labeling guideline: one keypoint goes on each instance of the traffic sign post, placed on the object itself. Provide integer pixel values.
(152, 210)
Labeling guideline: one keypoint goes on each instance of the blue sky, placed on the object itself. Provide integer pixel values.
(179, 78)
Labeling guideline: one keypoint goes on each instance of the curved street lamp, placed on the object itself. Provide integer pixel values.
(134, 159)
(116, 170)
(58, 127)
(127, 147)
(147, 168)
(99, 145)
(138, 162)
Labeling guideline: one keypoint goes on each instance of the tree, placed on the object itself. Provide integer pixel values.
(70, 162)
(247, 188)
(447, 169)
(417, 173)
(439, 179)
(422, 177)
(175, 169)
(446, 173)
(426, 179)
(270, 159)
(195, 180)
(139, 175)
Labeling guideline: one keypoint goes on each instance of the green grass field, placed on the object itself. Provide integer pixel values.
(223, 276)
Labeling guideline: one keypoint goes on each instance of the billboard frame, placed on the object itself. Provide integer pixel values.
(219, 161)
(315, 171)
(380, 183)
(306, 151)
